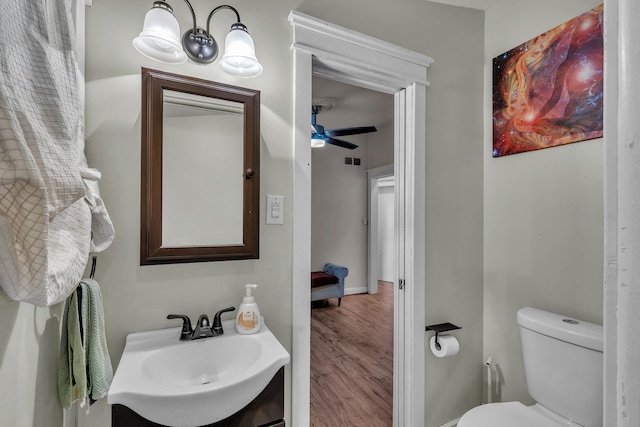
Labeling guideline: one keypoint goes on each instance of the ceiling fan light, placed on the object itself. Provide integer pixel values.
(160, 36)
(239, 57)
(317, 142)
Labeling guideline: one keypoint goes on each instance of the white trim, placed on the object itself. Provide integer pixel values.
(387, 181)
(610, 295)
(452, 423)
(324, 29)
(401, 407)
(410, 187)
(354, 291)
(417, 224)
(380, 171)
(622, 216)
(324, 49)
(301, 223)
(350, 57)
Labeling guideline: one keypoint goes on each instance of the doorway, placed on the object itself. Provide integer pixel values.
(323, 49)
(382, 241)
(351, 359)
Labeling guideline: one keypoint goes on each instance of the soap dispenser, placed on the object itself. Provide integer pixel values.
(248, 319)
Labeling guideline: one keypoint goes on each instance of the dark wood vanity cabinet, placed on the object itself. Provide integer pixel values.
(266, 410)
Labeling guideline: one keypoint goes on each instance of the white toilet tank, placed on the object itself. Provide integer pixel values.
(563, 364)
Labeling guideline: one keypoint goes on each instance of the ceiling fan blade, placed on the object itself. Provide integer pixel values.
(340, 143)
(351, 131)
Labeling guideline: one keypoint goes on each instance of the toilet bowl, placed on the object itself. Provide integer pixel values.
(513, 414)
(563, 360)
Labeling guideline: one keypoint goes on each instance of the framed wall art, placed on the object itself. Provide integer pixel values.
(549, 90)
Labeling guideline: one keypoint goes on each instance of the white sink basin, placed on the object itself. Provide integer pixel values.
(194, 383)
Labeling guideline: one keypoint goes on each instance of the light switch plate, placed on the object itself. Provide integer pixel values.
(275, 210)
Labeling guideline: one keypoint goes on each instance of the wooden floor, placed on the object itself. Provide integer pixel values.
(352, 361)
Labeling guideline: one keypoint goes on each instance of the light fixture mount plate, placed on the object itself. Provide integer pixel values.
(323, 104)
(200, 47)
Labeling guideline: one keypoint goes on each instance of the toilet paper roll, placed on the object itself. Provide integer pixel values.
(447, 345)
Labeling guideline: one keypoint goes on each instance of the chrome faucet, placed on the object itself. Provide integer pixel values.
(202, 329)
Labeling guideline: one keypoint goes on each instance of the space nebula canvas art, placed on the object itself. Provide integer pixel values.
(549, 90)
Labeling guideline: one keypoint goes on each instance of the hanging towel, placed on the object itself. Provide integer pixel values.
(72, 374)
(84, 368)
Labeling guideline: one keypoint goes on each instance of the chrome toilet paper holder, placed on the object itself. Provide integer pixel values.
(441, 327)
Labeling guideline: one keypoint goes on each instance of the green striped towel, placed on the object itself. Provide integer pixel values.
(84, 367)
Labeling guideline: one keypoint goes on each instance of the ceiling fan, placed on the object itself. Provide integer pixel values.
(320, 136)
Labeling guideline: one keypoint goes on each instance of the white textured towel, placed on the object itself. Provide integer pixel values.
(49, 198)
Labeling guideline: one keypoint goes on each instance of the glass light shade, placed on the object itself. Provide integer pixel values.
(239, 57)
(160, 37)
(317, 143)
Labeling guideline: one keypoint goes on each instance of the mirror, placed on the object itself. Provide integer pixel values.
(200, 170)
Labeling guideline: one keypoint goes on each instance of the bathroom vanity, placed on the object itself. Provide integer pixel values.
(266, 410)
(227, 380)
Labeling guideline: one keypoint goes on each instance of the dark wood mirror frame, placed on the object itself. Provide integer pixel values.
(151, 249)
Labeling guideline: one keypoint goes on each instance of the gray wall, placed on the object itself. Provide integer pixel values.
(454, 208)
(543, 218)
(338, 207)
(29, 343)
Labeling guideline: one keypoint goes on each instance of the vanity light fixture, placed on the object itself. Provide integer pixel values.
(160, 40)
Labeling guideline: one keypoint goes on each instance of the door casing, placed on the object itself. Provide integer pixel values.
(326, 50)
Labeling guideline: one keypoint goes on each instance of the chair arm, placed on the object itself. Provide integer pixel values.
(336, 270)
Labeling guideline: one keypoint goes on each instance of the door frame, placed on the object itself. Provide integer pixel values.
(326, 50)
(622, 229)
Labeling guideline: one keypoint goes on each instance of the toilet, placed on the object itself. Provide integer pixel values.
(563, 364)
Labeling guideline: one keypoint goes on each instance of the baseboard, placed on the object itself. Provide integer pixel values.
(353, 291)
(452, 423)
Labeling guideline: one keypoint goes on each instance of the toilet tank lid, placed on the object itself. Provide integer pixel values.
(578, 332)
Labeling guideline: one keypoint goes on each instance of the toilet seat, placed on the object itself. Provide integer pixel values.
(510, 414)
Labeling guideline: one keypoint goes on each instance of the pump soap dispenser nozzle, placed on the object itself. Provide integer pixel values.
(248, 289)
